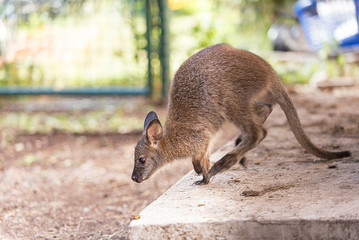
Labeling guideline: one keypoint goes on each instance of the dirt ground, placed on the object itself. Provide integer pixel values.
(79, 187)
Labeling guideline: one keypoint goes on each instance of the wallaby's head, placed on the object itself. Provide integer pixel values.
(148, 157)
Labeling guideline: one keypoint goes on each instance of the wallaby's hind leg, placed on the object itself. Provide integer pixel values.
(255, 133)
(262, 111)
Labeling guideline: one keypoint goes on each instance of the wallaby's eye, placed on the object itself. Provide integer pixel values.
(142, 160)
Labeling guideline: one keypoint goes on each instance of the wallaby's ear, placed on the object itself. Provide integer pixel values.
(153, 128)
(149, 118)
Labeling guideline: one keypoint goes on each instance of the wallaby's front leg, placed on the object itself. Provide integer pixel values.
(204, 181)
(201, 166)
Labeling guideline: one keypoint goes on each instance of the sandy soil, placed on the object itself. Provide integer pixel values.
(78, 186)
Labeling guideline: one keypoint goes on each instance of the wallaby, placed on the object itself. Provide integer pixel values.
(215, 85)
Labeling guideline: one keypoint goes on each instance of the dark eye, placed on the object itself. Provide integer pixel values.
(142, 160)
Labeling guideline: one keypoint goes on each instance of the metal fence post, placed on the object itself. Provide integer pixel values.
(149, 46)
(164, 45)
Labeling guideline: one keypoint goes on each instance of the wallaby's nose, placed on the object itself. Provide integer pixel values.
(134, 178)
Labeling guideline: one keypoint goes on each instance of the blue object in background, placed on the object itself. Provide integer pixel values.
(335, 21)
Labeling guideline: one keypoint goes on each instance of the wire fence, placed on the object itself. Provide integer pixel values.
(70, 46)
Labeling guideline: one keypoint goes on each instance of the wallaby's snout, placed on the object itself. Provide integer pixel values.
(136, 178)
(140, 169)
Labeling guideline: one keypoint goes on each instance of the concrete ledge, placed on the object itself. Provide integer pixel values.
(295, 229)
(271, 199)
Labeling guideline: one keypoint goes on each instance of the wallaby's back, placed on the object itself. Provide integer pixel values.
(212, 84)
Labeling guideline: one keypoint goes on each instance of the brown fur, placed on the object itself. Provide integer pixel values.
(217, 84)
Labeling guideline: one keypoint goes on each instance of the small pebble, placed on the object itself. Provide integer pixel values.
(135, 217)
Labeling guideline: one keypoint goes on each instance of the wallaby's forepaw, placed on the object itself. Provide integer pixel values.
(204, 181)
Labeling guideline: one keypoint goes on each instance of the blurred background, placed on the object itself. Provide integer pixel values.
(133, 47)
(72, 44)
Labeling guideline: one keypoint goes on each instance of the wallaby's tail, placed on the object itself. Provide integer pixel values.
(279, 94)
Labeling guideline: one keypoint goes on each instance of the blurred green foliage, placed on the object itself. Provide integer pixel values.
(92, 43)
(99, 43)
(243, 24)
